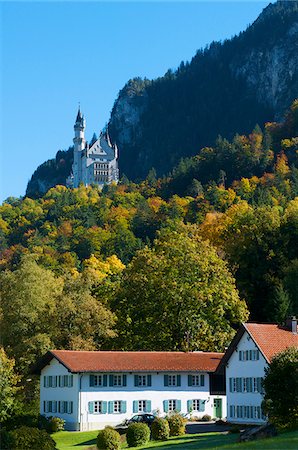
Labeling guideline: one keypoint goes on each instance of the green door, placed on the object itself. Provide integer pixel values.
(217, 408)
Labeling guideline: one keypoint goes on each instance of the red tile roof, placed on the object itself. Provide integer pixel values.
(271, 338)
(101, 361)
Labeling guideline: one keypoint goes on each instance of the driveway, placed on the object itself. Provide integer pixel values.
(205, 427)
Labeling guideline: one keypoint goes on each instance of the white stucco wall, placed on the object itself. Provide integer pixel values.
(82, 393)
(244, 369)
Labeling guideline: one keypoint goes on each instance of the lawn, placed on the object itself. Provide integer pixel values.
(213, 441)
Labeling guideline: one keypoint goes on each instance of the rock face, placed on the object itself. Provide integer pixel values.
(228, 88)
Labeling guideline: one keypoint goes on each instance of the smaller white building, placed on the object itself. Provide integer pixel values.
(245, 360)
(90, 390)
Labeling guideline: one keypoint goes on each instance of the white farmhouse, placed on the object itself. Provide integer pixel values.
(94, 164)
(90, 390)
(245, 360)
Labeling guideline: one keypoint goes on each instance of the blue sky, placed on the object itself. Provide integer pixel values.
(55, 54)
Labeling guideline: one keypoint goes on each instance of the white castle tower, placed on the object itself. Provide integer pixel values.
(95, 165)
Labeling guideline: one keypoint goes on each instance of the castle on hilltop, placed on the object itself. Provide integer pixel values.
(94, 164)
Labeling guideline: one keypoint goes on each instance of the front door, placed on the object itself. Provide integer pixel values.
(217, 408)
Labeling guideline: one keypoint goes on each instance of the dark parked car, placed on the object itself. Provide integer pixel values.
(141, 418)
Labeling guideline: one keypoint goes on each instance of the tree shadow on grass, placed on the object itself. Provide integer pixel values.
(196, 442)
(85, 443)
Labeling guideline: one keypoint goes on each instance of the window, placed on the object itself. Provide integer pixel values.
(246, 412)
(246, 384)
(117, 380)
(142, 406)
(142, 380)
(65, 380)
(117, 406)
(172, 405)
(97, 407)
(196, 405)
(196, 380)
(98, 380)
(249, 355)
(172, 380)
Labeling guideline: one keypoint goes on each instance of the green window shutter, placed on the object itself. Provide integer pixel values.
(166, 380)
(135, 405)
(178, 405)
(231, 384)
(111, 407)
(248, 385)
(189, 405)
(91, 407)
(105, 380)
(70, 384)
(202, 380)
(240, 384)
(104, 407)
(240, 355)
(189, 380)
(259, 386)
(124, 380)
(111, 380)
(178, 380)
(123, 407)
(149, 380)
(59, 380)
(166, 406)
(136, 380)
(201, 405)
(71, 408)
(148, 406)
(44, 381)
(91, 380)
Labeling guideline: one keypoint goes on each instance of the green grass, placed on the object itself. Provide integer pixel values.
(212, 441)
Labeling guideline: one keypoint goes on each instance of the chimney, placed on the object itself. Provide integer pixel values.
(291, 324)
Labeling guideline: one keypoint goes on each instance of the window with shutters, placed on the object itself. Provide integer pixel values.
(117, 406)
(172, 380)
(172, 405)
(198, 380)
(142, 406)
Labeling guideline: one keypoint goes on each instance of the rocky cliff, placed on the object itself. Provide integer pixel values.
(225, 89)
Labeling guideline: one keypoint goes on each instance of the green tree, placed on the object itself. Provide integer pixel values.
(279, 305)
(281, 389)
(179, 295)
(28, 300)
(8, 386)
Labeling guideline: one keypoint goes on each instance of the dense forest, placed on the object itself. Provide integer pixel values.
(173, 263)
(226, 88)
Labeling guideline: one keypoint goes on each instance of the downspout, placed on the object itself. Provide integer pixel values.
(80, 402)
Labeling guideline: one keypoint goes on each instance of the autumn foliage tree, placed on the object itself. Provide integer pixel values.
(178, 295)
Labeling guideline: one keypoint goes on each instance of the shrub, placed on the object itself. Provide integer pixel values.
(28, 438)
(206, 418)
(160, 429)
(108, 439)
(5, 439)
(137, 434)
(55, 424)
(176, 424)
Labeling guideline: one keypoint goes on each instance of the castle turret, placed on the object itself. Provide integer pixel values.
(79, 146)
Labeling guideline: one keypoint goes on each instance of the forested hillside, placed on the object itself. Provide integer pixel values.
(225, 89)
(166, 264)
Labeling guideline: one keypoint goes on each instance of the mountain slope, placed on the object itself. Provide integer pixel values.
(225, 89)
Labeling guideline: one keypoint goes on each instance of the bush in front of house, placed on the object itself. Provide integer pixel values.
(28, 438)
(6, 441)
(108, 439)
(55, 424)
(160, 429)
(137, 434)
(177, 424)
(206, 418)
